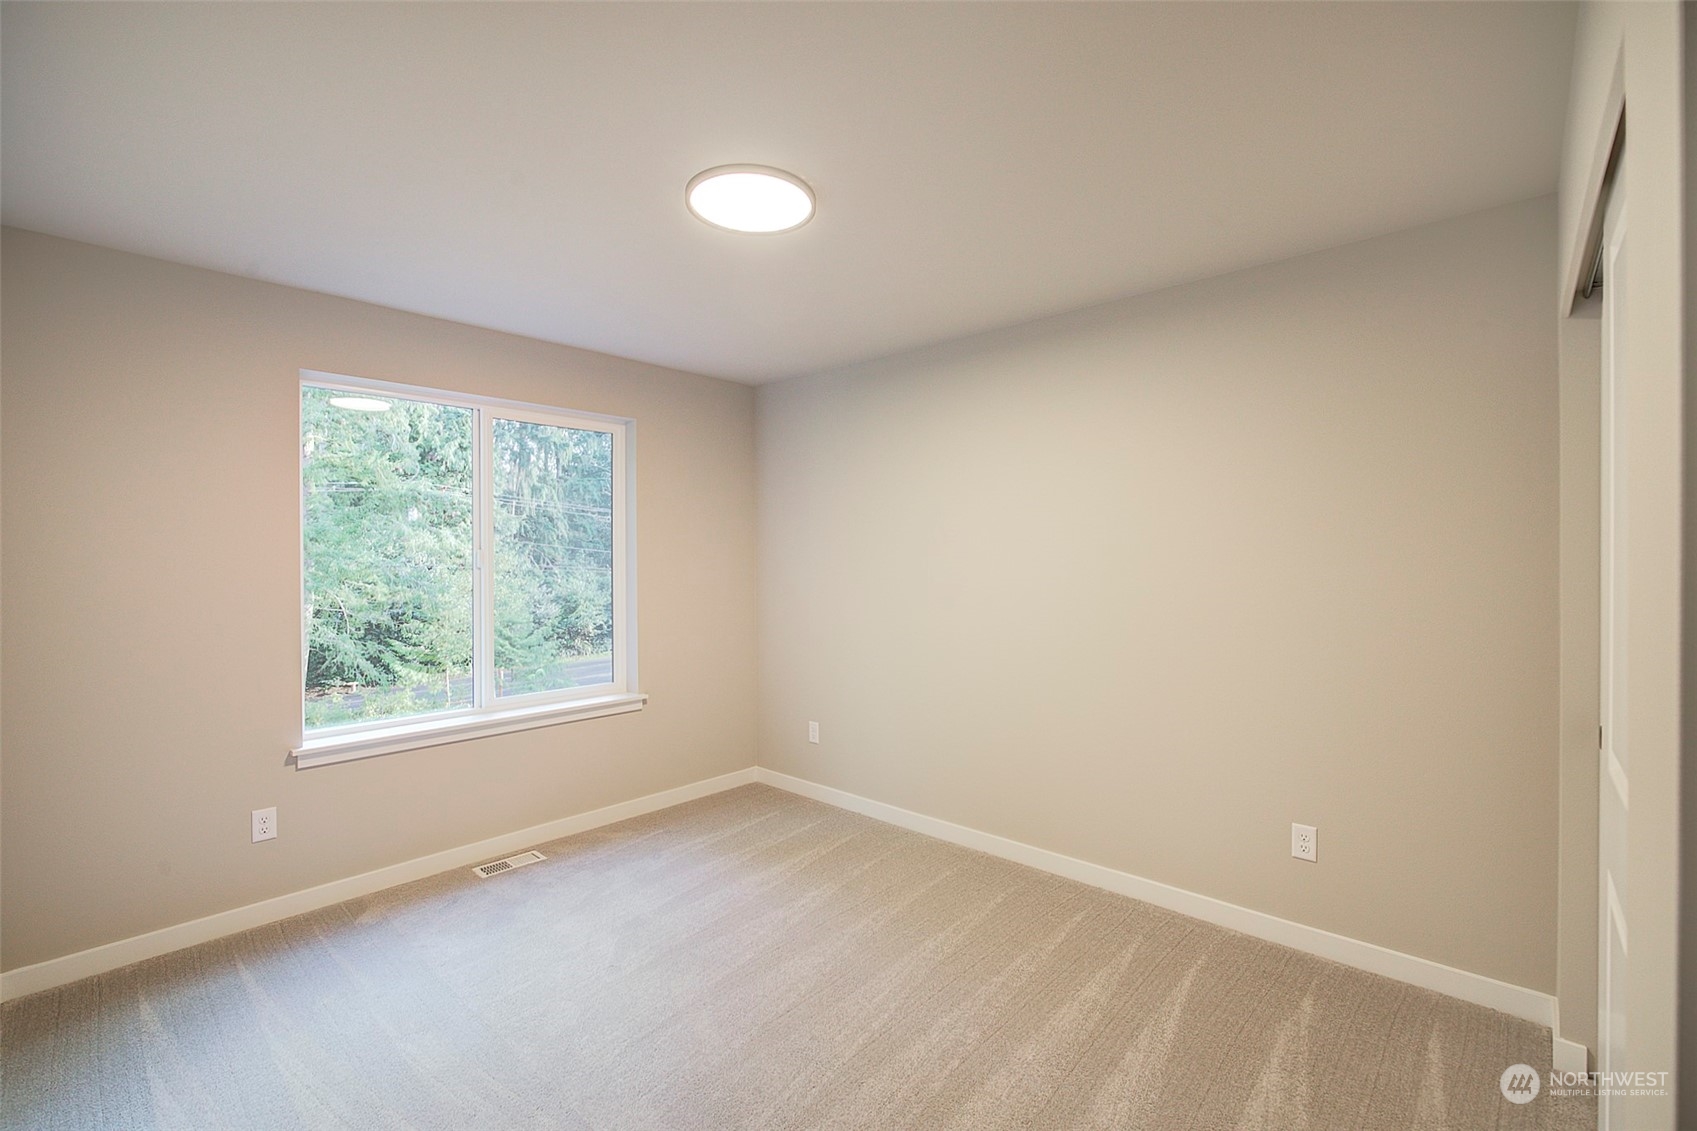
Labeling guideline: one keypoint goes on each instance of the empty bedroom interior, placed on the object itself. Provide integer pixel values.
(983, 550)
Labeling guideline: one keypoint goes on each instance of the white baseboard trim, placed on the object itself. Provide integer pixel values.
(1517, 1001)
(1531, 1005)
(1569, 1056)
(1566, 1055)
(97, 960)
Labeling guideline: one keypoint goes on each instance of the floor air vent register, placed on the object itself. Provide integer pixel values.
(496, 867)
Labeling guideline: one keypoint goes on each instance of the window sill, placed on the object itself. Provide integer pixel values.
(436, 732)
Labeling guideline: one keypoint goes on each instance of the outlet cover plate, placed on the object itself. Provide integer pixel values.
(1305, 842)
(264, 824)
(813, 732)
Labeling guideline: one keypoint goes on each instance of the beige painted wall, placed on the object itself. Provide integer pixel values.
(1581, 505)
(1687, 1049)
(1147, 583)
(1643, 43)
(151, 642)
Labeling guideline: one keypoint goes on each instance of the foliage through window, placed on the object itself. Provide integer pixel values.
(460, 556)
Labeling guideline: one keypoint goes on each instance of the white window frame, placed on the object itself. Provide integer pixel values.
(491, 714)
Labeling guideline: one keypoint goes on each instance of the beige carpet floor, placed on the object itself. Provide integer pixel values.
(756, 960)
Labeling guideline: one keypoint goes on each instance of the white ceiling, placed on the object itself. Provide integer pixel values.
(522, 166)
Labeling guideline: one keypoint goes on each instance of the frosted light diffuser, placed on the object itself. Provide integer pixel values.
(361, 404)
(750, 198)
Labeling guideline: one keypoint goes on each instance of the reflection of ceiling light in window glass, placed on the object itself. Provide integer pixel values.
(750, 198)
(361, 404)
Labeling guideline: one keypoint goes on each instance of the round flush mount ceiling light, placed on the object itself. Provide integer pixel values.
(361, 404)
(750, 198)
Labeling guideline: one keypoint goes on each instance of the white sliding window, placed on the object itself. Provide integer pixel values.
(465, 567)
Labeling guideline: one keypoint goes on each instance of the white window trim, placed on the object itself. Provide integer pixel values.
(491, 715)
(415, 734)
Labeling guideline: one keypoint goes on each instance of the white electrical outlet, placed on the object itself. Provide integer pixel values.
(264, 824)
(1305, 842)
(813, 732)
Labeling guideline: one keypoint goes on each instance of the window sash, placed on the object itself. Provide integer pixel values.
(486, 704)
